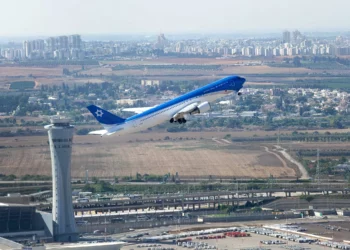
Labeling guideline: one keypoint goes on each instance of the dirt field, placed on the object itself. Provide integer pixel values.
(108, 157)
(36, 71)
(66, 80)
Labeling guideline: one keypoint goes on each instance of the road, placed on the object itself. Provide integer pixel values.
(304, 173)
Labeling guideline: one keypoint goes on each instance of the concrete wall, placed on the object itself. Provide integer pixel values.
(89, 246)
(43, 221)
(9, 243)
(253, 217)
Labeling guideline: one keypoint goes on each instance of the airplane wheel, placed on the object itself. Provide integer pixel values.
(184, 120)
(171, 120)
(180, 121)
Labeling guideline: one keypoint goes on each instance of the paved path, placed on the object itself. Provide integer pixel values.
(304, 173)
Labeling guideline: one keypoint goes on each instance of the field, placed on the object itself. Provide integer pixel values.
(115, 156)
(187, 69)
(225, 70)
(22, 85)
(35, 71)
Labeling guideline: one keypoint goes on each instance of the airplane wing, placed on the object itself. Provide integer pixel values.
(191, 109)
(137, 110)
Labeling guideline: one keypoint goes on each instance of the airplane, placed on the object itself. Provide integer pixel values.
(174, 111)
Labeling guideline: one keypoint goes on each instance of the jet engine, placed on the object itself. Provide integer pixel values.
(201, 108)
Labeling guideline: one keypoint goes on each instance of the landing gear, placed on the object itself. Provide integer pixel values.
(239, 93)
(180, 120)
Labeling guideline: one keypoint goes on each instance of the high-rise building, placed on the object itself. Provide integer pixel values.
(283, 51)
(248, 51)
(162, 41)
(276, 52)
(259, 51)
(62, 42)
(40, 44)
(286, 36)
(291, 51)
(51, 44)
(341, 51)
(60, 140)
(296, 36)
(74, 42)
(268, 52)
(27, 47)
(179, 47)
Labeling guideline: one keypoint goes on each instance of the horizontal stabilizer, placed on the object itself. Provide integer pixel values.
(98, 132)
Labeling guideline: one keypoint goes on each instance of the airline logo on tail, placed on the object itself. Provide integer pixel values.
(104, 117)
(99, 113)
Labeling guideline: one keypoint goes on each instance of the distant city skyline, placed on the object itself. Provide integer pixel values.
(89, 17)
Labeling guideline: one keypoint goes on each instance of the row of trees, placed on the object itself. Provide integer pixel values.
(26, 177)
(171, 67)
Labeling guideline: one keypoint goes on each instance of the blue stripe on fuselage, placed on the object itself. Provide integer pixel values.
(229, 83)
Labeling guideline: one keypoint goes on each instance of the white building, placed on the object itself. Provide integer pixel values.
(150, 82)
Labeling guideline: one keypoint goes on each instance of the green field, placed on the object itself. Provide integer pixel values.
(22, 85)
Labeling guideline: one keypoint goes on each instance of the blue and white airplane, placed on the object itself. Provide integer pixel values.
(176, 110)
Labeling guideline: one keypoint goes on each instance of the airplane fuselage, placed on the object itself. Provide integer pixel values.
(175, 110)
(153, 119)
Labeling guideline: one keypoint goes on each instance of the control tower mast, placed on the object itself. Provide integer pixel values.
(60, 139)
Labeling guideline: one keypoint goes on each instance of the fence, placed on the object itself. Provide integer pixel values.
(124, 227)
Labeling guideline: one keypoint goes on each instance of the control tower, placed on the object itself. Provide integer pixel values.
(60, 139)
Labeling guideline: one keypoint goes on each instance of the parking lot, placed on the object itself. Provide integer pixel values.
(252, 242)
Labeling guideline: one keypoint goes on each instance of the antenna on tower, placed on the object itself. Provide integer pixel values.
(87, 176)
(318, 167)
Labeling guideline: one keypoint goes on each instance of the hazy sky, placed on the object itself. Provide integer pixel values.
(54, 17)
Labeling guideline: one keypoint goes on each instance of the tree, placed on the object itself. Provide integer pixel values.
(138, 176)
(308, 198)
(65, 71)
(95, 179)
(256, 209)
(116, 179)
(342, 160)
(296, 61)
(287, 60)
(329, 111)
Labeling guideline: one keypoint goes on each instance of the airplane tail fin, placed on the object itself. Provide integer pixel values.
(104, 117)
